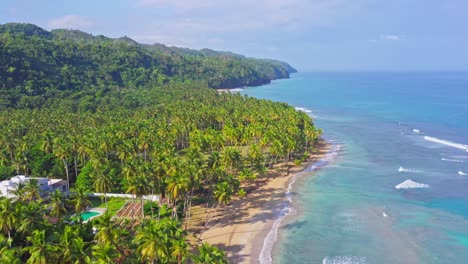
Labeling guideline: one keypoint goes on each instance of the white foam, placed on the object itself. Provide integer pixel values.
(462, 173)
(416, 130)
(236, 90)
(452, 160)
(384, 214)
(272, 236)
(409, 184)
(401, 169)
(447, 143)
(305, 110)
(344, 260)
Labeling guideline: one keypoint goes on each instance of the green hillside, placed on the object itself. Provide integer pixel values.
(38, 65)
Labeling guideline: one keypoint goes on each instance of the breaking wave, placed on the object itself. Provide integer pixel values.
(272, 236)
(236, 90)
(447, 143)
(452, 160)
(409, 184)
(401, 169)
(344, 260)
(462, 173)
(305, 110)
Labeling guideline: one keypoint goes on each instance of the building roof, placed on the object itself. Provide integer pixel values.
(57, 183)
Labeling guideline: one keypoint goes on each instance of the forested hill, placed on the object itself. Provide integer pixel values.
(37, 64)
(115, 116)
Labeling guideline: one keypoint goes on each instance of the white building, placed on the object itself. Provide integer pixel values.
(46, 185)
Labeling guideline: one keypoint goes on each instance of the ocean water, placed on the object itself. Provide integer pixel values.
(406, 130)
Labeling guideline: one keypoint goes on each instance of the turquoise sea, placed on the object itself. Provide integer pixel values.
(386, 128)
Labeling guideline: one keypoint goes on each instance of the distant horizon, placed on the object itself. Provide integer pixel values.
(382, 71)
(308, 34)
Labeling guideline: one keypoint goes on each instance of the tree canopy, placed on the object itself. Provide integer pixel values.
(112, 115)
(38, 65)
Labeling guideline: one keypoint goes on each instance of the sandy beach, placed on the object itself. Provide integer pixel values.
(240, 229)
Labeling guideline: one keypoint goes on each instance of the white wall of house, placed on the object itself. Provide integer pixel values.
(8, 186)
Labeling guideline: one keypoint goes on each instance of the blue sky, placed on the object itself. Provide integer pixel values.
(309, 34)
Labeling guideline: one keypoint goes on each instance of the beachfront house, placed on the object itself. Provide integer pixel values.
(46, 185)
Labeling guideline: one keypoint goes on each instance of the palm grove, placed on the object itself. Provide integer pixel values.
(175, 138)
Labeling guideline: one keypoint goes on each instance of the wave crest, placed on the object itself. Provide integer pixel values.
(236, 90)
(409, 184)
(303, 109)
(452, 160)
(344, 260)
(401, 169)
(447, 143)
(272, 236)
(462, 173)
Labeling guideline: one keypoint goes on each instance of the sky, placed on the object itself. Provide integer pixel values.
(309, 34)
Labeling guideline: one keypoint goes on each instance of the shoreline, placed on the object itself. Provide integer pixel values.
(243, 228)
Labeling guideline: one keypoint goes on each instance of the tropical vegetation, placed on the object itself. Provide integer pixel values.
(113, 116)
(39, 67)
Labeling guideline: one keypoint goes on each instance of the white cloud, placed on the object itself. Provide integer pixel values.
(391, 37)
(223, 24)
(241, 15)
(70, 22)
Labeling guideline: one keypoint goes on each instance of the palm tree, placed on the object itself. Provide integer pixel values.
(65, 243)
(32, 191)
(104, 253)
(102, 181)
(231, 157)
(79, 252)
(223, 194)
(138, 186)
(32, 217)
(209, 254)
(152, 242)
(71, 247)
(57, 203)
(107, 230)
(7, 217)
(47, 145)
(61, 152)
(9, 256)
(177, 186)
(80, 200)
(40, 251)
(255, 155)
(179, 251)
(23, 151)
(19, 192)
(197, 170)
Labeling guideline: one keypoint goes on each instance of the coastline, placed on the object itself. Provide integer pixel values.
(241, 229)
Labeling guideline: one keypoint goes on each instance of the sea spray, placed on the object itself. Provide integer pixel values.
(452, 160)
(272, 236)
(302, 109)
(409, 184)
(344, 260)
(447, 143)
(401, 169)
